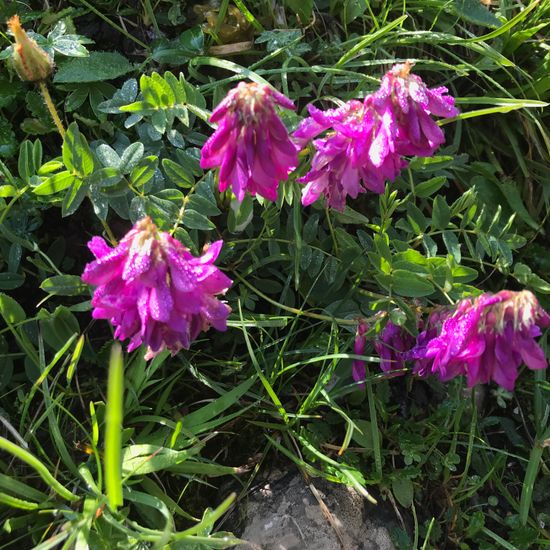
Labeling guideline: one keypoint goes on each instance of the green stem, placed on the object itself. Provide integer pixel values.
(109, 233)
(40, 468)
(319, 316)
(19, 194)
(51, 107)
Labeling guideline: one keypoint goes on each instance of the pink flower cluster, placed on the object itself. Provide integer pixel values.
(367, 140)
(154, 291)
(484, 338)
(364, 142)
(251, 144)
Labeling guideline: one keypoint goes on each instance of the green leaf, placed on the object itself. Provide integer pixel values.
(175, 52)
(73, 198)
(203, 205)
(98, 67)
(453, 246)
(463, 274)
(145, 459)
(513, 197)
(55, 183)
(177, 173)
(77, 155)
(441, 215)
(64, 285)
(107, 156)
(121, 97)
(195, 220)
(196, 421)
(30, 159)
(303, 8)
(403, 491)
(7, 191)
(475, 12)
(105, 177)
(407, 283)
(429, 187)
(10, 310)
(9, 280)
(240, 215)
(526, 277)
(144, 171)
(130, 157)
(58, 327)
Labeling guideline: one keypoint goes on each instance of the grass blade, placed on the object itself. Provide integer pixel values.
(113, 428)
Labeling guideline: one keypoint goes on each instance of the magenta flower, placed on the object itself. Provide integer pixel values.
(366, 141)
(488, 338)
(358, 365)
(154, 291)
(391, 345)
(251, 144)
(429, 331)
(407, 104)
(342, 164)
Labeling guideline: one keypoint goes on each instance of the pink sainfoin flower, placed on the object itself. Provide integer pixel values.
(366, 141)
(408, 105)
(488, 338)
(251, 144)
(342, 165)
(358, 365)
(391, 345)
(427, 333)
(154, 291)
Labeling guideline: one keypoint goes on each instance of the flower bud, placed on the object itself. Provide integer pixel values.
(31, 62)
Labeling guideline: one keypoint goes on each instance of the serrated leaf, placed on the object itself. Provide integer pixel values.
(97, 67)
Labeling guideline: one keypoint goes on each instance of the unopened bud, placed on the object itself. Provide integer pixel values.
(31, 62)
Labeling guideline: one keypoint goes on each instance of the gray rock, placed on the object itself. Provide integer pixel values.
(286, 514)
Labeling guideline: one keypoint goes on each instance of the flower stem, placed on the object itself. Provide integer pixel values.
(318, 316)
(109, 233)
(51, 107)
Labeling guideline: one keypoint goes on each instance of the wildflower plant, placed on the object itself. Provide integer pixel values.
(315, 253)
